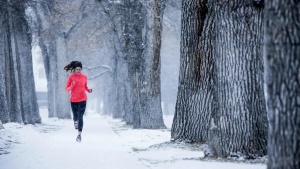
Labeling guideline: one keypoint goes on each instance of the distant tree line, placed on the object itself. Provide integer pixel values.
(136, 77)
(131, 87)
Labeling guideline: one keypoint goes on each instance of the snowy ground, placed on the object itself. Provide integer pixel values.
(106, 143)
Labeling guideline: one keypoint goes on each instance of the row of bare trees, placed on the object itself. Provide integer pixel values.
(230, 52)
(221, 99)
(142, 51)
(17, 90)
(131, 90)
(220, 96)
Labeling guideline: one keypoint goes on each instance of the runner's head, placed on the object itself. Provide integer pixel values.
(73, 66)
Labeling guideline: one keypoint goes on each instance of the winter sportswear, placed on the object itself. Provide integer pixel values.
(76, 125)
(78, 109)
(77, 64)
(77, 84)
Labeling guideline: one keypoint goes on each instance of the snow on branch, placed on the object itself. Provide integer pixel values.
(115, 1)
(50, 6)
(94, 77)
(97, 67)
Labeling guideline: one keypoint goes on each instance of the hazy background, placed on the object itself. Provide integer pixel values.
(100, 39)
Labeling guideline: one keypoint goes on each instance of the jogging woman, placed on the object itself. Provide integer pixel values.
(77, 84)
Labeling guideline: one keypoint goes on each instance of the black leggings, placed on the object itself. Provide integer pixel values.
(78, 109)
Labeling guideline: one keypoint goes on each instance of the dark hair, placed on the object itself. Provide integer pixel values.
(71, 66)
(258, 3)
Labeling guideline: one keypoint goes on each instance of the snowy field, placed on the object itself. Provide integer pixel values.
(106, 143)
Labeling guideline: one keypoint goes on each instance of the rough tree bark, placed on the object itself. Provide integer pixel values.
(19, 82)
(13, 94)
(194, 98)
(151, 111)
(22, 45)
(133, 22)
(220, 95)
(141, 50)
(239, 124)
(4, 61)
(282, 83)
(132, 53)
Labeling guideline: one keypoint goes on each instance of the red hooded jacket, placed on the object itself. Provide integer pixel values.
(78, 89)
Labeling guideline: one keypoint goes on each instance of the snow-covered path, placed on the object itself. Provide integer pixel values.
(100, 148)
(106, 144)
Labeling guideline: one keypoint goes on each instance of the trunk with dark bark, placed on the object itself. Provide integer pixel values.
(20, 96)
(151, 112)
(22, 44)
(239, 124)
(282, 83)
(4, 62)
(133, 21)
(142, 41)
(220, 95)
(194, 98)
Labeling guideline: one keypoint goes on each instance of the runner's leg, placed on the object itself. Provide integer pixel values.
(81, 110)
(75, 111)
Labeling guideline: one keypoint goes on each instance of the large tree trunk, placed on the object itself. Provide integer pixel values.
(4, 61)
(62, 97)
(282, 61)
(240, 120)
(58, 98)
(51, 74)
(13, 91)
(21, 102)
(143, 59)
(133, 21)
(22, 42)
(194, 98)
(151, 112)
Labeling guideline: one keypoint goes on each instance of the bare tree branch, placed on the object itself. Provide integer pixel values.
(94, 77)
(97, 67)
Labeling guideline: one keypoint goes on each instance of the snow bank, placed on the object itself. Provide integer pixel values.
(107, 143)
